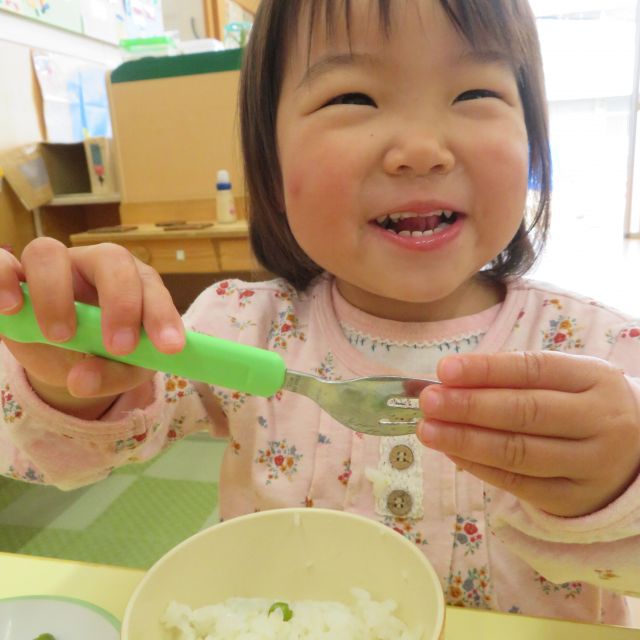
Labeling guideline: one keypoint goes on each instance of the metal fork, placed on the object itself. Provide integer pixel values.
(382, 405)
(377, 405)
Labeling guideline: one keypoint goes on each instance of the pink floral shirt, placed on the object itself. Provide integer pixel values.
(490, 549)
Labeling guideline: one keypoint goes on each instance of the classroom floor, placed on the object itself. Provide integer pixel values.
(130, 519)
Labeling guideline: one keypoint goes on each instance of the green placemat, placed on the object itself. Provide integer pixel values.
(129, 519)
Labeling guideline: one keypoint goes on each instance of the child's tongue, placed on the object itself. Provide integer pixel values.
(423, 223)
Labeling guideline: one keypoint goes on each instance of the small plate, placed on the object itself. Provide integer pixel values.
(29, 616)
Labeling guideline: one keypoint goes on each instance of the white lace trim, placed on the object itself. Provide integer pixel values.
(359, 338)
(386, 478)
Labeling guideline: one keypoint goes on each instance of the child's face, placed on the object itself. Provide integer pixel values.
(414, 123)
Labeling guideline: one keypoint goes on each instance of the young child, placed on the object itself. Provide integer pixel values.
(398, 171)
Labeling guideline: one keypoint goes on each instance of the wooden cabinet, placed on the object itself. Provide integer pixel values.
(219, 248)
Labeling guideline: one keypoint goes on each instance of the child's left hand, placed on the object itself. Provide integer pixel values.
(561, 432)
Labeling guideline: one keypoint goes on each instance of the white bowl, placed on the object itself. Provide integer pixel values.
(290, 554)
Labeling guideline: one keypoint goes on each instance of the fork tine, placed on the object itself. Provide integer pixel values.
(376, 405)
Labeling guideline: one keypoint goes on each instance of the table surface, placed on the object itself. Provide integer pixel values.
(148, 231)
(110, 587)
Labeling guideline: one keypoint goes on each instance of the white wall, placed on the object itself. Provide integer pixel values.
(30, 33)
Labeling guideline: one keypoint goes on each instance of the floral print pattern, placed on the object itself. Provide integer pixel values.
(175, 388)
(628, 332)
(552, 302)
(405, 527)
(280, 458)
(235, 446)
(130, 443)
(327, 368)
(227, 288)
(288, 293)
(285, 328)
(561, 335)
(11, 410)
(467, 535)
(472, 591)
(570, 589)
(240, 324)
(346, 473)
(232, 401)
(176, 429)
(631, 332)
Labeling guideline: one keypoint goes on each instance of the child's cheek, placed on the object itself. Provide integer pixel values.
(313, 178)
(293, 185)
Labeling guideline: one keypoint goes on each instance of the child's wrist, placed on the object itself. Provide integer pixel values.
(61, 400)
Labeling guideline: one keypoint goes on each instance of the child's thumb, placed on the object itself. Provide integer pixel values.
(96, 377)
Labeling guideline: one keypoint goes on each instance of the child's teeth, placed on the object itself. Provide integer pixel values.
(381, 219)
(395, 216)
(421, 234)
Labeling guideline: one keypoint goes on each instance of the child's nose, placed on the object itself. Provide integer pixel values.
(417, 153)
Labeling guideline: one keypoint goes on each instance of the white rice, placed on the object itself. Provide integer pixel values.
(248, 619)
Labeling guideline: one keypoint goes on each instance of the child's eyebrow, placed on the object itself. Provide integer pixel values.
(484, 56)
(336, 60)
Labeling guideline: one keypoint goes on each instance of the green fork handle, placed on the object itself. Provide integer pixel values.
(205, 358)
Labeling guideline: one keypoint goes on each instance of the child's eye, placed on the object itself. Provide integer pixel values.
(475, 94)
(361, 99)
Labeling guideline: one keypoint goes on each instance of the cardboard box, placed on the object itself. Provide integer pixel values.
(80, 167)
(175, 125)
(38, 172)
(66, 165)
(26, 172)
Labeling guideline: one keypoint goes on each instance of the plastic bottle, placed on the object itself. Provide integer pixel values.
(225, 202)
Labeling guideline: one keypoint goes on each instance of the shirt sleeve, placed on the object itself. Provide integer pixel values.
(40, 444)
(602, 548)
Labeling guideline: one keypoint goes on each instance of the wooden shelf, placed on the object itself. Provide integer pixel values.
(217, 230)
(82, 198)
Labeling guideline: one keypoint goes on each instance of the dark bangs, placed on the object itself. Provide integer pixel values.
(504, 25)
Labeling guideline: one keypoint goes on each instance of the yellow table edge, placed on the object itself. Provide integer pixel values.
(110, 587)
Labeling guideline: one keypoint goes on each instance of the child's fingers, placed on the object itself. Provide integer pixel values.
(522, 370)
(49, 364)
(112, 271)
(10, 274)
(131, 294)
(525, 455)
(47, 268)
(535, 411)
(553, 495)
(95, 377)
(160, 317)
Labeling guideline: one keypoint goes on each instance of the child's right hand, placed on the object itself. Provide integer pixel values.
(130, 294)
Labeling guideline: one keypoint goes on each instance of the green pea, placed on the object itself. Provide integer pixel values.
(45, 636)
(287, 614)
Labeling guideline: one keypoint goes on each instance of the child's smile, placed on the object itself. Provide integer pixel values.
(420, 226)
(378, 135)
